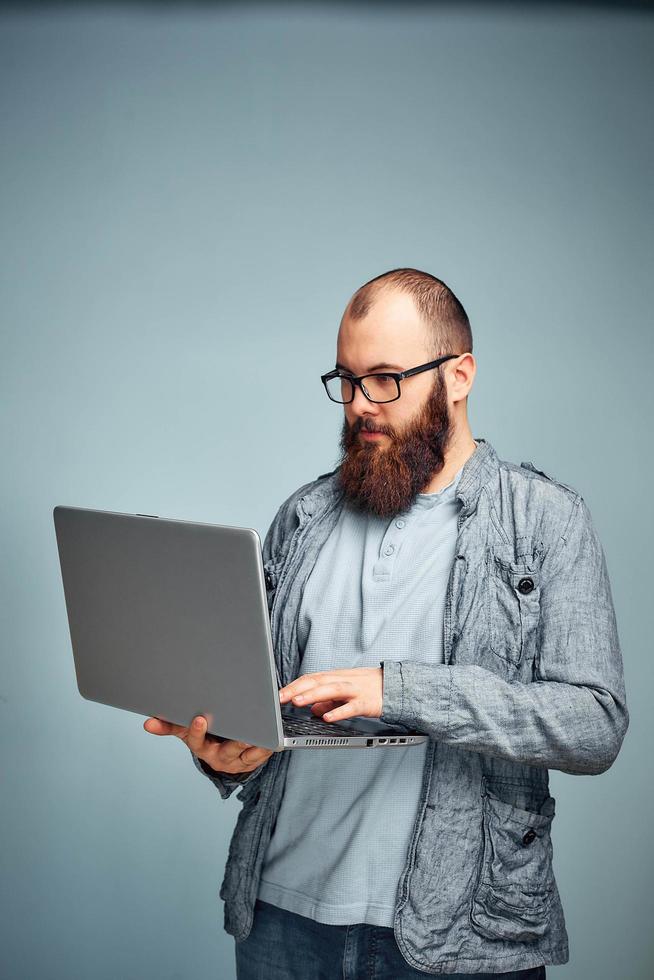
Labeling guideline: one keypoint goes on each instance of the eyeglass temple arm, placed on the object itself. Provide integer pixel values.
(335, 373)
(425, 367)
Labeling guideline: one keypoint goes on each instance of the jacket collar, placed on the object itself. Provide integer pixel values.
(476, 473)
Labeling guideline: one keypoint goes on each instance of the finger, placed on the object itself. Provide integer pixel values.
(229, 752)
(254, 756)
(320, 707)
(324, 692)
(158, 727)
(352, 709)
(301, 684)
(195, 738)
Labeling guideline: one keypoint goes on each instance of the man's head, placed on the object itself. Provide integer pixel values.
(397, 321)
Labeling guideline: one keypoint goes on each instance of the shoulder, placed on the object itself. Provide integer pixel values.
(286, 518)
(527, 475)
(534, 503)
(306, 490)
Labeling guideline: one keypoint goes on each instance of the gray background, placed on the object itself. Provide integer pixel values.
(189, 196)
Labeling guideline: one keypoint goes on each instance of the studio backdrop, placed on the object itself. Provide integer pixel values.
(189, 196)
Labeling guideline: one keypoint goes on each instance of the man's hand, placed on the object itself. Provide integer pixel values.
(357, 692)
(225, 757)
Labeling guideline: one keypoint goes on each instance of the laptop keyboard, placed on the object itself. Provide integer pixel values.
(315, 726)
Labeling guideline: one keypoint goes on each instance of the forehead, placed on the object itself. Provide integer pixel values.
(392, 332)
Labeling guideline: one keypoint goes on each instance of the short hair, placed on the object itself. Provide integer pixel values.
(438, 306)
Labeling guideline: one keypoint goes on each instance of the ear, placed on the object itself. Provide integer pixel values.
(461, 376)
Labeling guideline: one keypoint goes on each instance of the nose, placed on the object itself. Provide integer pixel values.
(360, 405)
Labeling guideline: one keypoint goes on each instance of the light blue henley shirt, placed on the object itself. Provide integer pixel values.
(376, 592)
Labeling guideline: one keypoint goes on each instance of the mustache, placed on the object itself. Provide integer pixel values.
(367, 425)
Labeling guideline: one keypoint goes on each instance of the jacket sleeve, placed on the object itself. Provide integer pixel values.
(573, 716)
(226, 783)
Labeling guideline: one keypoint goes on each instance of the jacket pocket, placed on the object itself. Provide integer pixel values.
(513, 610)
(515, 886)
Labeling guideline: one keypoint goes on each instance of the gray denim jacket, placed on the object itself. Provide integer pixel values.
(532, 680)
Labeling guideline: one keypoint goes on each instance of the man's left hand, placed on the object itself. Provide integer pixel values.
(357, 692)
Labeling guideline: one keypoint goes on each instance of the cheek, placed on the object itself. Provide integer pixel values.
(412, 406)
(399, 418)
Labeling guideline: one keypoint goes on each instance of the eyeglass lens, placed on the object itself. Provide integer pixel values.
(380, 388)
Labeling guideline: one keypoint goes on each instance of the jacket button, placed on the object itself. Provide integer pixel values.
(528, 837)
(525, 585)
(269, 581)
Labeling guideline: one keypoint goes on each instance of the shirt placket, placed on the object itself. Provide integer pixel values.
(388, 550)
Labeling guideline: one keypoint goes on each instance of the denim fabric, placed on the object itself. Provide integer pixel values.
(532, 680)
(286, 946)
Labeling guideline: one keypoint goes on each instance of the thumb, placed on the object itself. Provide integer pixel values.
(196, 732)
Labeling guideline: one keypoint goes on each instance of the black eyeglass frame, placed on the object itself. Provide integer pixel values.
(397, 377)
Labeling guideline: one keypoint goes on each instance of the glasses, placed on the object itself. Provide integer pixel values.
(378, 388)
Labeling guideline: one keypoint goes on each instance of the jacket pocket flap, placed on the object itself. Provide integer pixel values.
(507, 812)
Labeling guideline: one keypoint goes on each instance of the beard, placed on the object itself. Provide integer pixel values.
(387, 481)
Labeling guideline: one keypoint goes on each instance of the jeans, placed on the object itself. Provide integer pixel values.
(285, 946)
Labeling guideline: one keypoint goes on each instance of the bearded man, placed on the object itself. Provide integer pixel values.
(428, 583)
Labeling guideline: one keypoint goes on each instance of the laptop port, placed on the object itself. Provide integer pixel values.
(393, 741)
(382, 741)
(370, 741)
(402, 741)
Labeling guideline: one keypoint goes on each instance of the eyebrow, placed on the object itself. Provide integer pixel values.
(375, 367)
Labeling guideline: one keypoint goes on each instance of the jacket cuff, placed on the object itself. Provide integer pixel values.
(393, 693)
(224, 784)
(417, 695)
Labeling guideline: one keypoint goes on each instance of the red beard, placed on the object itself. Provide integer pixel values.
(387, 481)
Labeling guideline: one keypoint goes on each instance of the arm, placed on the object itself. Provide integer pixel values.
(574, 716)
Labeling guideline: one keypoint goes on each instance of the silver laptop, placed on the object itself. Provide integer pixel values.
(170, 619)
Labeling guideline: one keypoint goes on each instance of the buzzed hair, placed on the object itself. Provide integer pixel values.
(444, 315)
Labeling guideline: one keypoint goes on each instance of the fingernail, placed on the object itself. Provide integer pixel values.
(198, 723)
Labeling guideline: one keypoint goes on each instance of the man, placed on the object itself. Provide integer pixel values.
(429, 583)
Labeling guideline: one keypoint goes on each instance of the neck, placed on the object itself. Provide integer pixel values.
(458, 452)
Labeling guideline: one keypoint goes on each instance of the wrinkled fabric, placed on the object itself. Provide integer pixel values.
(532, 680)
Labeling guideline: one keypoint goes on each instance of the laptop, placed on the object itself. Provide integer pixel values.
(169, 619)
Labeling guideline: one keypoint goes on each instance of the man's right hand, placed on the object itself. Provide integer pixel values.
(224, 757)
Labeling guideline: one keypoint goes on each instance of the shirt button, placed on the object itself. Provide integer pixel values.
(526, 585)
(399, 523)
(389, 551)
(528, 837)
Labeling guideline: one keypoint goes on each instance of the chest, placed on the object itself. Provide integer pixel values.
(489, 600)
(493, 607)
(377, 589)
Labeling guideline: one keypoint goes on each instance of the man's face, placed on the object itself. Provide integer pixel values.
(391, 451)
